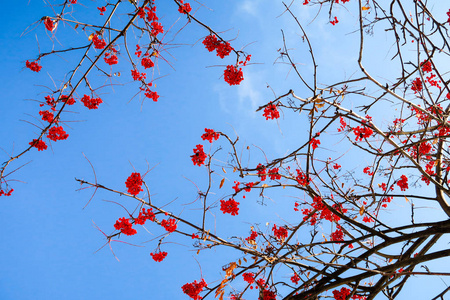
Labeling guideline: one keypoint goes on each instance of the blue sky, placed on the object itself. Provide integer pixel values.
(49, 242)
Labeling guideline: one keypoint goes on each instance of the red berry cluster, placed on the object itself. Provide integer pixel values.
(233, 75)
(222, 48)
(57, 133)
(158, 257)
(33, 66)
(403, 183)
(170, 225)
(229, 207)
(38, 144)
(280, 233)
(184, 8)
(99, 43)
(91, 103)
(124, 225)
(210, 135)
(49, 25)
(134, 184)
(199, 156)
(2, 192)
(271, 112)
(194, 288)
(321, 211)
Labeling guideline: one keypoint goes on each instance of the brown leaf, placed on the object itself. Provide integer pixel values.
(320, 105)
(365, 8)
(223, 169)
(362, 210)
(91, 37)
(221, 183)
(229, 270)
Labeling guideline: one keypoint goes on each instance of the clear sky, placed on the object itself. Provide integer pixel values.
(49, 242)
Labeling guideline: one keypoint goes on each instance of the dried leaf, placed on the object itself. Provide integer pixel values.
(234, 169)
(76, 26)
(320, 105)
(221, 183)
(265, 185)
(223, 169)
(220, 291)
(406, 199)
(365, 8)
(244, 259)
(239, 261)
(270, 259)
(91, 37)
(229, 270)
(362, 210)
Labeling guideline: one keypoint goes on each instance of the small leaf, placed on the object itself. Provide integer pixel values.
(223, 169)
(244, 259)
(365, 8)
(265, 185)
(76, 26)
(361, 210)
(91, 37)
(229, 270)
(320, 105)
(221, 183)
